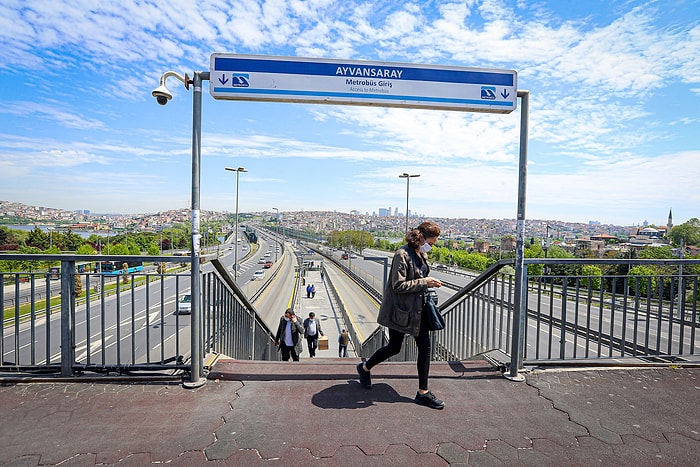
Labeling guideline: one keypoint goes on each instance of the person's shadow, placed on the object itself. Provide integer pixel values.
(353, 396)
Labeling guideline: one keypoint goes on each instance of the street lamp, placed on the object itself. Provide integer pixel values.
(407, 177)
(277, 218)
(235, 237)
(163, 95)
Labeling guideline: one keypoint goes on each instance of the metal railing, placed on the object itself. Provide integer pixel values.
(233, 328)
(128, 323)
(571, 317)
(123, 323)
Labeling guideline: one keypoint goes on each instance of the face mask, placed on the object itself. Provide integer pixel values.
(426, 247)
(287, 319)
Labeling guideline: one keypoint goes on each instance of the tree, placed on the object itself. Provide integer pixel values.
(640, 278)
(689, 232)
(78, 285)
(52, 250)
(37, 238)
(660, 252)
(592, 275)
(125, 267)
(118, 249)
(86, 249)
(71, 241)
(361, 240)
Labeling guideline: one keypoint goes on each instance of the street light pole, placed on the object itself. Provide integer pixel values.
(277, 219)
(407, 177)
(235, 236)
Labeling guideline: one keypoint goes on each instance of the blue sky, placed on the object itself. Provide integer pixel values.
(614, 108)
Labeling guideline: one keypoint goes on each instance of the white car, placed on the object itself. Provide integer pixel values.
(258, 275)
(184, 306)
(261, 261)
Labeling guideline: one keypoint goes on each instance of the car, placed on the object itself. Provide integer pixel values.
(261, 261)
(268, 264)
(345, 256)
(353, 256)
(258, 275)
(268, 254)
(184, 306)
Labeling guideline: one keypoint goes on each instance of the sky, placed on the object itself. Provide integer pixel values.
(614, 114)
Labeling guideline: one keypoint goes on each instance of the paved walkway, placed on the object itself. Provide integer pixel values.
(325, 310)
(315, 413)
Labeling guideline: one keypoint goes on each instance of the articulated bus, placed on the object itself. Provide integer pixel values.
(117, 267)
(81, 268)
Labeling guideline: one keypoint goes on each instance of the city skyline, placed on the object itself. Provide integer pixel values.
(183, 215)
(614, 89)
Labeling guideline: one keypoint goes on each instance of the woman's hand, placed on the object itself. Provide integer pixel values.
(432, 282)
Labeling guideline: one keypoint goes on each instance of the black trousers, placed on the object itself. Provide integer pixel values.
(394, 347)
(288, 351)
(312, 341)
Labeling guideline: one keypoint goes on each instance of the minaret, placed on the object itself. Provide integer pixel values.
(669, 225)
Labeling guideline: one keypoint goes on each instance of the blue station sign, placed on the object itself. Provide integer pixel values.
(358, 82)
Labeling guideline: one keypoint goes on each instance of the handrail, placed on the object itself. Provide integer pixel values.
(476, 283)
(226, 277)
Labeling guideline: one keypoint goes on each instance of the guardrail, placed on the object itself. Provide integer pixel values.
(571, 317)
(133, 328)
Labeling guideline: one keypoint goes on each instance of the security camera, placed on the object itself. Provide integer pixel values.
(162, 94)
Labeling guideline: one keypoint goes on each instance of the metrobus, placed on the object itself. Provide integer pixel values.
(117, 267)
(81, 268)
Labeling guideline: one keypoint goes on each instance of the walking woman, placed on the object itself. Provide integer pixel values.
(401, 309)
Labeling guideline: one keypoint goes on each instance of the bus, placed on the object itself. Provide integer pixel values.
(82, 267)
(117, 267)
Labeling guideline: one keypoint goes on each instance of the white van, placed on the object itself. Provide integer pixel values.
(184, 306)
(258, 275)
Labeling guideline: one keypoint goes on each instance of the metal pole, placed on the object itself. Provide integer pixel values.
(520, 298)
(235, 247)
(196, 376)
(235, 236)
(67, 317)
(278, 230)
(680, 279)
(407, 183)
(407, 177)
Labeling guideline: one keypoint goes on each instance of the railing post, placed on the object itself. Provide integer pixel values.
(67, 316)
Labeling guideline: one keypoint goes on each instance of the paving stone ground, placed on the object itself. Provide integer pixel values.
(316, 413)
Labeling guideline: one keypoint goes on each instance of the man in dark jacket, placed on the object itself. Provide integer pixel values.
(312, 329)
(288, 336)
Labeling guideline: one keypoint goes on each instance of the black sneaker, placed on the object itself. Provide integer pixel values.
(365, 377)
(429, 400)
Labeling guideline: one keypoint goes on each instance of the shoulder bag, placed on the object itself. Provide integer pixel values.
(435, 320)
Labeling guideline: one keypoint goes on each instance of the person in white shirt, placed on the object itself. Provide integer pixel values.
(288, 336)
(312, 330)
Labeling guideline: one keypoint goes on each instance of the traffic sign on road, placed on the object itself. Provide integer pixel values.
(356, 82)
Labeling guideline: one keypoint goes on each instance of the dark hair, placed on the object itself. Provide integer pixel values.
(312, 314)
(427, 229)
(289, 310)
